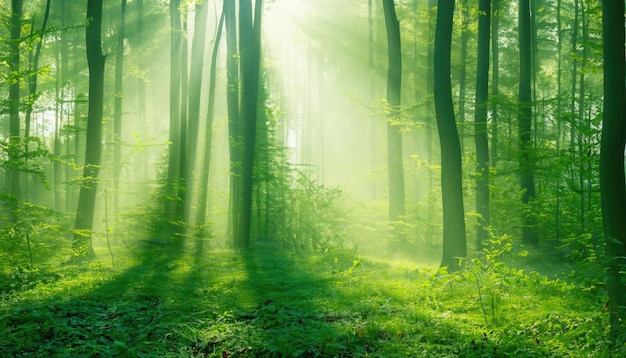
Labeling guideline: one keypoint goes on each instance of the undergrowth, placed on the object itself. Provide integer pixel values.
(335, 303)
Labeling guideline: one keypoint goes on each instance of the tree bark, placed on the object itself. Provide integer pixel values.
(454, 238)
(394, 136)
(32, 86)
(612, 182)
(526, 164)
(480, 119)
(117, 111)
(250, 52)
(195, 89)
(232, 100)
(13, 173)
(87, 198)
(495, 77)
(171, 190)
(208, 137)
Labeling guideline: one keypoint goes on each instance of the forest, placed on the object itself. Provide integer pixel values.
(312, 178)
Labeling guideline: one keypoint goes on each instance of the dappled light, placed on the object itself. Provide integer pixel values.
(312, 178)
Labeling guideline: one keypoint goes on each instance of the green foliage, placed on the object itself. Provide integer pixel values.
(290, 205)
(17, 158)
(263, 304)
(31, 235)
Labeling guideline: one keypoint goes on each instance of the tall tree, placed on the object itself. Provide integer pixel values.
(173, 172)
(232, 102)
(463, 68)
(495, 78)
(32, 83)
(250, 52)
(13, 172)
(208, 135)
(394, 136)
(93, 152)
(612, 182)
(454, 238)
(195, 88)
(526, 163)
(480, 119)
(117, 111)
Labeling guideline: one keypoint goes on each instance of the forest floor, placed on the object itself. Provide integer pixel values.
(339, 303)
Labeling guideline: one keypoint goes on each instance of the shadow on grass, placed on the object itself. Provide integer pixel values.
(263, 302)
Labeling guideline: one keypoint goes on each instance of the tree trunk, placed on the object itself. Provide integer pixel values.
(32, 87)
(183, 160)
(93, 153)
(463, 70)
(171, 199)
(232, 100)
(13, 174)
(495, 77)
(559, 114)
(526, 164)
(394, 136)
(480, 118)
(250, 52)
(454, 239)
(195, 89)
(208, 137)
(612, 183)
(117, 112)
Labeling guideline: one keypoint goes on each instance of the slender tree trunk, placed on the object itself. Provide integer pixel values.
(394, 136)
(208, 137)
(32, 88)
(232, 100)
(526, 163)
(574, 74)
(559, 114)
(463, 71)
(480, 118)
(454, 238)
(117, 111)
(183, 160)
(195, 89)
(612, 182)
(171, 200)
(13, 174)
(56, 151)
(430, 84)
(87, 198)
(582, 156)
(495, 77)
(250, 52)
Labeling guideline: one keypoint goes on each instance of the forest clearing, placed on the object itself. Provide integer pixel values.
(312, 178)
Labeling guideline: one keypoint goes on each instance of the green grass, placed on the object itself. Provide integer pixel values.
(263, 303)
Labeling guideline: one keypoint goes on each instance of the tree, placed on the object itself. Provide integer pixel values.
(495, 53)
(175, 147)
(117, 112)
(454, 238)
(93, 152)
(394, 136)
(250, 52)
(480, 119)
(32, 85)
(232, 102)
(208, 136)
(529, 235)
(195, 89)
(612, 181)
(13, 172)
